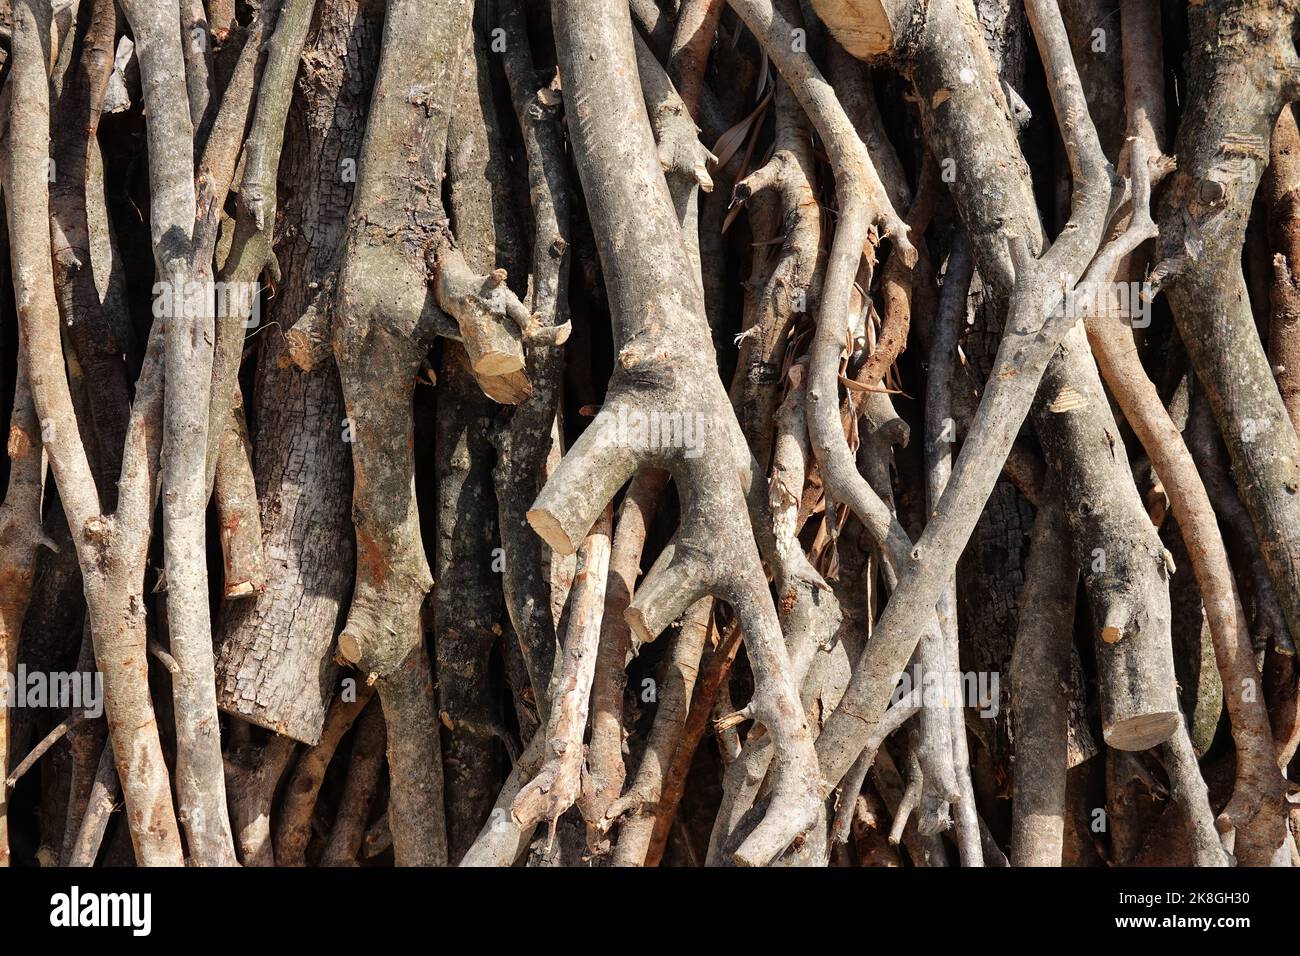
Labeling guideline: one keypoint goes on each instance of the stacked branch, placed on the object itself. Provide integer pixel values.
(601, 433)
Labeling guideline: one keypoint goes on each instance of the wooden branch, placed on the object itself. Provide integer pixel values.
(1040, 677)
(639, 807)
(1034, 328)
(780, 198)
(1258, 793)
(250, 244)
(98, 328)
(276, 657)
(253, 778)
(293, 829)
(946, 328)
(665, 366)
(363, 779)
(707, 693)
(1241, 71)
(524, 446)
(603, 782)
(1188, 790)
(688, 54)
(20, 537)
(235, 498)
(103, 799)
(869, 28)
(201, 785)
(380, 337)
(1282, 184)
(111, 552)
(556, 786)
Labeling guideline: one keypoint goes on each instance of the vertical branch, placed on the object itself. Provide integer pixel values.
(201, 785)
(524, 445)
(235, 499)
(111, 552)
(1040, 673)
(606, 772)
(1241, 69)
(20, 536)
(91, 329)
(250, 245)
(556, 786)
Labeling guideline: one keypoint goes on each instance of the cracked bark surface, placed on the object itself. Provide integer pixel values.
(275, 658)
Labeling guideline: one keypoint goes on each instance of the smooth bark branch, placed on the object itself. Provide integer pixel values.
(946, 330)
(638, 808)
(1259, 784)
(1188, 790)
(1040, 681)
(200, 777)
(655, 24)
(1036, 324)
(20, 537)
(603, 782)
(94, 323)
(416, 814)
(687, 59)
(665, 366)
(250, 245)
(706, 695)
(197, 50)
(110, 551)
(556, 786)
(688, 54)
(1283, 197)
(683, 157)
(502, 841)
(1144, 83)
(104, 797)
(897, 715)
(932, 733)
(1242, 68)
